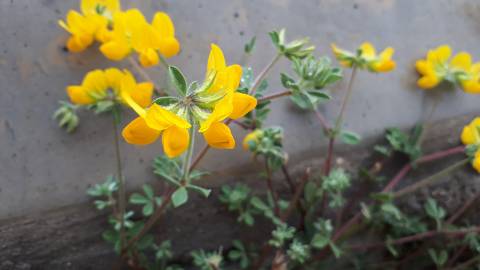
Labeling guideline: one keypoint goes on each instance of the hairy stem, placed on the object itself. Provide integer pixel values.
(188, 155)
(274, 96)
(264, 73)
(271, 189)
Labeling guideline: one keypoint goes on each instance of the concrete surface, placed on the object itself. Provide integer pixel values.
(43, 168)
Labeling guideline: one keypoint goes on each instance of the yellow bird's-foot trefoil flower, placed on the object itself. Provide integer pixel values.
(437, 67)
(471, 138)
(366, 58)
(132, 33)
(92, 24)
(205, 106)
(104, 85)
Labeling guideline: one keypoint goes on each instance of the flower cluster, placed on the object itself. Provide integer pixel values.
(366, 58)
(471, 138)
(121, 32)
(437, 67)
(206, 106)
(105, 85)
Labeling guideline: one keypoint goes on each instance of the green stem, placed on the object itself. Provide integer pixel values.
(430, 180)
(163, 61)
(188, 155)
(120, 179)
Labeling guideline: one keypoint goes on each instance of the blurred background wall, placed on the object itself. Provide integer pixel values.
(43, 168)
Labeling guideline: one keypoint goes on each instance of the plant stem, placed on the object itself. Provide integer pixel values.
(430, 180)
(468, 263)
(120, 179)
(153, 219)
(163, 61)
(199, 156)
(338, 122)
(271, 189)
(296, 196)
(416, 237)
(464, 208)
(263, 73)
(274, 96)
(188, 155)
(392, 184)
(323, 121)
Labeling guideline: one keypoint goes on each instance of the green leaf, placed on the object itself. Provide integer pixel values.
(336, 250)
(286, 80)
(166, 101)
(350, 137)
(136, 198)
(178, 80)
(148, 191)
(320, 95)
(148, 209)
(320, 241)
(180, 197)
(204, 191)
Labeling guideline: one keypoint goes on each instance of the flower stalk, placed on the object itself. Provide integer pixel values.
(120, 179)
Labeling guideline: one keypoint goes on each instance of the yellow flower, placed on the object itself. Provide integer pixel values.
(366, 58)
(91, 24)
(151, 122)
(131, 32)
(102, 84)
(434, 68)
(251, 137)
(233, 105)
(207, 106)
(82, 30)
(471, 132)
(471, 136)
(460, 70)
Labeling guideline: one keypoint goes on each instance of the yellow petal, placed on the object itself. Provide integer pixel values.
(442, 53)
(222, 110)
(142, 94)
(471, 86)
(160, 118)
(162, 23)
(138, 132)
(78, 95)
(462, 61)
(169, 47)
(234, 75)
(114, 50)
(216, 60)
(127, 86)
(114, 78)
(368, 51)
(148, 58)
(384, 66)
(96, 82)
(468, 136)
(175, 141)
(219, 135)
(423, 67)
(78, 43)
(242, 104)
(428, 82)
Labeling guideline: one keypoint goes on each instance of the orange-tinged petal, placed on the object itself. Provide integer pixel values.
(242, 104)
(252, 136)
(142, 94)
(428, 82)
(471, 86)
(148, 58)
(78, 43)
(220, 136)
(114, 50)
(216, 60)
(169, 46)
(175, 141)
(138, 132)
(423, 67)
(78, 95)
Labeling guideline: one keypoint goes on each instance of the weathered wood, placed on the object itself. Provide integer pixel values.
(70, 237)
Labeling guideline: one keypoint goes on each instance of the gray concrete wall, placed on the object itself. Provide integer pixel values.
(44, 168)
